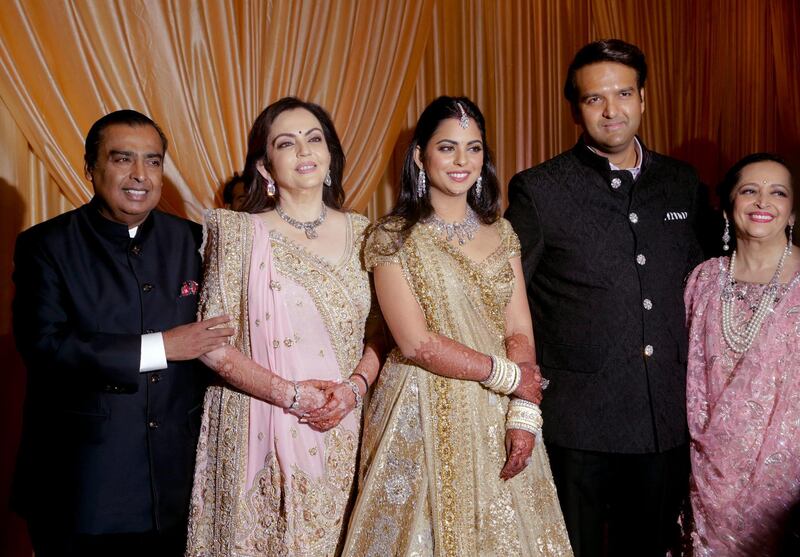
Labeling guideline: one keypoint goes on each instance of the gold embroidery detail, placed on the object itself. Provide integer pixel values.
(226, 520)
(226, 413)
(276, 344)
(275, 285)
(432, 271)
(288, 342)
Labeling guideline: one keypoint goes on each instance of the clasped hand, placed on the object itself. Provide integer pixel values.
(329, 402)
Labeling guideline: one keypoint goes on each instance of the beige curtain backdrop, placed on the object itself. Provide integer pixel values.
(724, 82)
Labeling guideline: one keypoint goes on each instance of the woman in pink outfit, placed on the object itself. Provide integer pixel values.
(743, 384)
(278, 442)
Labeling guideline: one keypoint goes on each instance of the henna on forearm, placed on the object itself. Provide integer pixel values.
(520, 350)
(443, 356)
(246, 375)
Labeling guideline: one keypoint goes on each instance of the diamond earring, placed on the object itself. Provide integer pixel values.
(791, 237)
(421, 184)
(478, 187)
(270, 187)
(327, 179)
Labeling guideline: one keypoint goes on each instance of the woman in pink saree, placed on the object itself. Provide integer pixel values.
(743, 383)
(278, 442)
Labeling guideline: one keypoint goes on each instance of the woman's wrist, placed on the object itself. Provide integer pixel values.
(293, 395)
(525, 415)
(361, 378)
(353, 386)
(505, 376)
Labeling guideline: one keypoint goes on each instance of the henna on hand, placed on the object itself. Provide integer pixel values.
(446, 357)
(519, 447)
(341, 401)
(520, 350)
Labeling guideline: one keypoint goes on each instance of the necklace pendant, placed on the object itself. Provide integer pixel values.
(310, 228)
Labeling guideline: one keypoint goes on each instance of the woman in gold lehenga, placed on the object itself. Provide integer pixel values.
(277, 449)
(450, 464)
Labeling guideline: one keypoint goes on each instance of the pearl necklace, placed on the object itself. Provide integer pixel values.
(464, 230)
(740, 340)
(310, 227)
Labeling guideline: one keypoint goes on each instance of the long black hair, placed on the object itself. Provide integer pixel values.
(410, 208)
(257, 199)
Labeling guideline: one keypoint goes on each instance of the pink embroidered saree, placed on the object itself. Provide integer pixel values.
(744, 418)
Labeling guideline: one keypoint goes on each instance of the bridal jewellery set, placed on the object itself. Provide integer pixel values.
(740, 339)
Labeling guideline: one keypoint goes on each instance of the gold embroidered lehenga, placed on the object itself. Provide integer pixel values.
(433, 447)
(266, 484)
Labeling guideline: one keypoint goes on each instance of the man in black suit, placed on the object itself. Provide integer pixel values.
(104, 315)
(607, 233)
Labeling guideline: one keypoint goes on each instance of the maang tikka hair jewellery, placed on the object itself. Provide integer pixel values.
(464, 120)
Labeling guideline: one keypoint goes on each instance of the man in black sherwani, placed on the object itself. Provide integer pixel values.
(607, 233)
(104, 315)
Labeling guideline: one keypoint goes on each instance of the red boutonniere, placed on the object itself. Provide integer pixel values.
(189, 288)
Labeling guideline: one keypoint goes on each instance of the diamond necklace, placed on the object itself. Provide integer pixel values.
(740, 340)
(310, 227)
(464, 231)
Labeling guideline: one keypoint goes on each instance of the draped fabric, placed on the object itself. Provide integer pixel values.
(433, 447)
(743, 415)
(265, 484)
(723, 83)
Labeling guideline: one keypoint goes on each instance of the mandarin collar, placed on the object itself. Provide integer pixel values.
(600, 163)
(115, 230)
